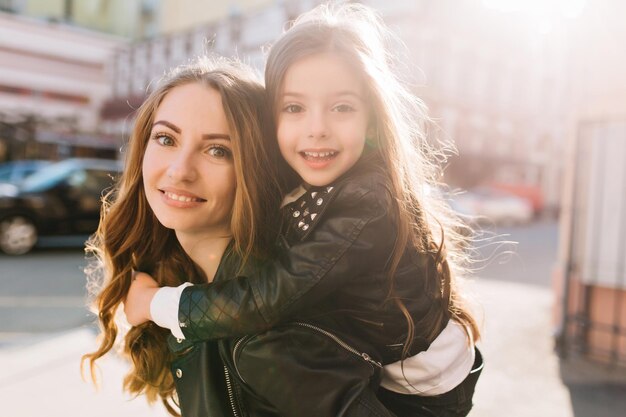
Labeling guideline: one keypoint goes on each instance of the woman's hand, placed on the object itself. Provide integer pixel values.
(140, 294)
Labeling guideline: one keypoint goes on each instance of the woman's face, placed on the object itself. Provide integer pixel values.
(188, 171)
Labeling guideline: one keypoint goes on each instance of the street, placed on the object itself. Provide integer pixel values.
(41, 293)
(523, 254)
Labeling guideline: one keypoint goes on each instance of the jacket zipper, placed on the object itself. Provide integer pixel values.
(235, 349)
(231, 393)
(343, 344)
(333, 337)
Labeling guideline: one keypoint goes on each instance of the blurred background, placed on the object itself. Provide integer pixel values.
(533, 94)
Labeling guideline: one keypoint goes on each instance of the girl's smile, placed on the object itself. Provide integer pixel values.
(319, 158)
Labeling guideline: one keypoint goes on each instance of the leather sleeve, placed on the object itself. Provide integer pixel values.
(354, 237)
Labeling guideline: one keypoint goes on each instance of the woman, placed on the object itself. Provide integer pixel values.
(198, 195)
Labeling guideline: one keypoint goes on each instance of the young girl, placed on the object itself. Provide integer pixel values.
(366, 252)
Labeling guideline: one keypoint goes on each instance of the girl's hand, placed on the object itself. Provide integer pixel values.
(140, 294)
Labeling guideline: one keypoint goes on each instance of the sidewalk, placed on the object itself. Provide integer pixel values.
(44, 380)
(522, 375)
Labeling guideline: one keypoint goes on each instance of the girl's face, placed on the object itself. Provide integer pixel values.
(323, 118)
(188, 172)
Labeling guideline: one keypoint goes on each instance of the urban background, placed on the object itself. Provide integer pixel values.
(532, 93)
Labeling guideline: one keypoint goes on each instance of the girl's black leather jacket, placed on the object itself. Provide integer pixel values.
(331, 272)
(292, 370)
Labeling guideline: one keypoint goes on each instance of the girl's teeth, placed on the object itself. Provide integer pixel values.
(319, 154)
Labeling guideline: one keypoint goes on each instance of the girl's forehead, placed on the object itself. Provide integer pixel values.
(320, 73)
(326, 58)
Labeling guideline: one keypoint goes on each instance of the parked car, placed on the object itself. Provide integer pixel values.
(486, 204)
(532, 193)
(13, 172)
(60, 199)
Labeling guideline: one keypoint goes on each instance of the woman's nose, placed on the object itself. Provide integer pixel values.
(182, 168)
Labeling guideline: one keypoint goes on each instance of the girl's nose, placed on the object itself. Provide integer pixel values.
(182, 168)
(318, 128)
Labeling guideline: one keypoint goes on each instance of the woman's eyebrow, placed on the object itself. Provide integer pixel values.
(178, 130)
(210, 136)
(292, 94)
(167, 124)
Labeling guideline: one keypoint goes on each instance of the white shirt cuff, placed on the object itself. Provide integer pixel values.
(164, 308)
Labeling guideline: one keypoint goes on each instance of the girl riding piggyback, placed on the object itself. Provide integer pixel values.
(354, 135)
(365, 250)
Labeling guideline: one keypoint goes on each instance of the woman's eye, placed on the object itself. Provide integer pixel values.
(219, 152)
(164, 140)
(292, 108)
(343, 108)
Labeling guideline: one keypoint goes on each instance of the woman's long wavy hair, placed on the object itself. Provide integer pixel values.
(399, 123)
(130, 238)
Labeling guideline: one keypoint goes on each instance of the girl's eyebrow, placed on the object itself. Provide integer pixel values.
(349, 93)
(207, 136)
(337, 94)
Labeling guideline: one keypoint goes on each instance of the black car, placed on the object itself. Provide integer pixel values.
(60, 199)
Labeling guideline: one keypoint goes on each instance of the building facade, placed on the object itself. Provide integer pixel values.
(500, 90)
(590, 276)
(494, 84)
(134, 19)
(53, 81)
(182, 15)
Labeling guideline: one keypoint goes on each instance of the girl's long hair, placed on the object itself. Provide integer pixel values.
(130, 238)
(399, 121)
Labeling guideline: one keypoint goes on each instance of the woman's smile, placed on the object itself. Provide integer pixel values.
(181, 199)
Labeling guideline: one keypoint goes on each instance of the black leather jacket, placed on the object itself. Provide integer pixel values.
(337, 242)
(293, 370)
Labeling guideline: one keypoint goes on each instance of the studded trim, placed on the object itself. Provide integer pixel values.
(304, 213)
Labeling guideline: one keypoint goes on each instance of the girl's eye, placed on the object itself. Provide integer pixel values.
(293, 108)
(221, 152)
(343, 108)
(163, 139)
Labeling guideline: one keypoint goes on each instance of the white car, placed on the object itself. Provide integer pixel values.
(489, 205)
